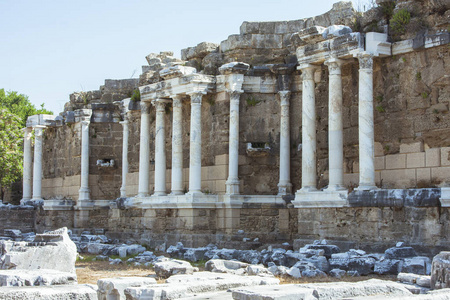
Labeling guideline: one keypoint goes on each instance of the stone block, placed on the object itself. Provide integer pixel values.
(60, 292)
(433, 157)
(351, 179)
(378, 149)
(440, 271)
(440, 174)
(356, 166)
(445, 156)
(242, 160)
(221, 159)
(411, 148)
(113, 288)
(379, 162)
(220, 186)
(217, 172)
(405, 178)
(423, 175)
(415, 160)
(395, 161)
(165, 269)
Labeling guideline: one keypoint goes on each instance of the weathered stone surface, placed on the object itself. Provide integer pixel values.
(387, 267)
(113, 288)
(399, 252)
(51, 250)
(60, 292)
(19, 277)
(225, 266)
(338, 290)
(440, 271)
(180, 286)
(165, 269)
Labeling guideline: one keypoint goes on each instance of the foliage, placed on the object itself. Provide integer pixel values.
(18, 104)
(380, 109)
(387, 9)
(10, 149)
(251, 101)
(136, 95)
(399, 21)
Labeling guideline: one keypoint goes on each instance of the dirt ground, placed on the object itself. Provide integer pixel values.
(91, 271)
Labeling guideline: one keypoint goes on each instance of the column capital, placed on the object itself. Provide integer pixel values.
(27, 130)
(160, 104)
(196, 97)
(365, 60)
(334, 65)
(307, 71)
(145, 107)
(284, 97)
(85, 122)
(124, 122)
(177, 100)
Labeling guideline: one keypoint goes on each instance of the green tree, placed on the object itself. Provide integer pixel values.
(11, 140)
(19, 105)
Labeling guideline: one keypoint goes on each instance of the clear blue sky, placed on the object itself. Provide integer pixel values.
(49, 49)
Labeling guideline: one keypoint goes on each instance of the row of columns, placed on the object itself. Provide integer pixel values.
(177, 147)
(335, 126)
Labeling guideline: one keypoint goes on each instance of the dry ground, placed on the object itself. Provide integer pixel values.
(91, 271)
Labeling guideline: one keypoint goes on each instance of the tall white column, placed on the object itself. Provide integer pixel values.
(37, 166)
(366, 123)
(27, 164)
(195, 159)
(284, 185)
(160, 148)
(308, 128)
(335, 126)
(233, 144)
(123, 188)
(177, 146)
(84, 193)
(144, 150)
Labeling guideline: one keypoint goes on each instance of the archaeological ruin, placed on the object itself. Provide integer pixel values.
(333, 127)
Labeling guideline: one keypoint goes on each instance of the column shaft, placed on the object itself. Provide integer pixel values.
(195, 160)
(284, 185)
(233, 144)
(123, 188)
(160, 149)
(37, 166)
(27, 164)
(308, 129)
(177, 146)
(366, 123)
(335, 126)
(84, 193)
(144, 151)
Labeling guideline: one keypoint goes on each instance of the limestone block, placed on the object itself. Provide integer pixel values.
(411, 148)
(113, 288)
(60, 292)
(399, 252)
(225, 266)
(409, 278)
(398, 178)
(387, 267)
(423, 175)
(378, 149)
(379, 163)
(217, 172)
(221, 159)
(35, 277)
(440, 271)
(396, 161)
(165, 269)
(220, 186)
(445, 156)
(440, 174)
(60, 253)
(415, 160)
(416, 265)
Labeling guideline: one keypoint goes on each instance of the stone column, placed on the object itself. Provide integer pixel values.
(284, 185)
(123, 188)
(335, 126)
(37, 166)
(195, 159)
(160, 148)
(366, 123)
(177, 146)
(144, 150)
(308, 128)
(27, 164)
(233, 152)
(84, 193)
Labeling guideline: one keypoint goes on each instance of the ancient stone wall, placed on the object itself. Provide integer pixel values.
(17, 217)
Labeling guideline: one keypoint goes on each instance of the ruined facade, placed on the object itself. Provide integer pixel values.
(292, 130)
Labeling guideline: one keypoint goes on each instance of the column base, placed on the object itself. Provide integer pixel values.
(84, 194)
(58, 204)
(319, 199)
(232, 186)
(284, 189)
(445, 197)
(158, 194)
(176, 193)
(366, 187)
(123, 192)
